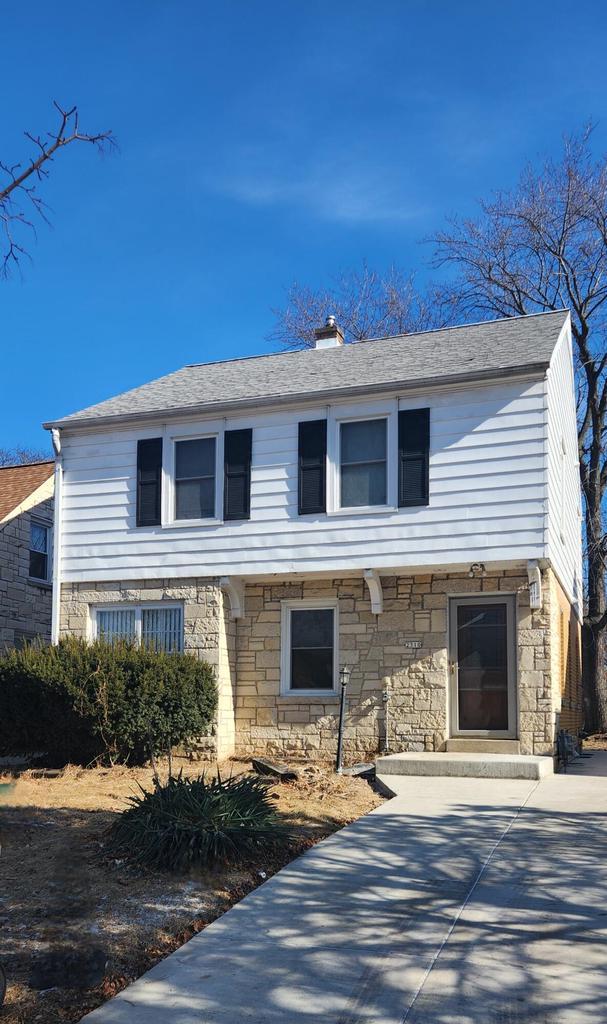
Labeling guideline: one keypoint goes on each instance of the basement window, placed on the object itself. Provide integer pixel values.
(160, 628)
(309, 648)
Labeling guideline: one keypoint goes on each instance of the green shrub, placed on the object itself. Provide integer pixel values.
(187, 823)
(82, 701)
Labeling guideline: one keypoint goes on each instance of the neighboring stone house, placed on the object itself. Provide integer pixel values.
(407, 508)
(26, 528)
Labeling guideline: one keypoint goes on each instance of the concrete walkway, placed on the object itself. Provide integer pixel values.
(460, 901)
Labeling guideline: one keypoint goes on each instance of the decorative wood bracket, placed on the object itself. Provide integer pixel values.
(535, 584)
(373, 581)
(56, 438)
(234, 588)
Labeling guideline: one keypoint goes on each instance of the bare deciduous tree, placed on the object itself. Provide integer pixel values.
(20, 201)
(366, 304)
(21, 455)
(543, 246)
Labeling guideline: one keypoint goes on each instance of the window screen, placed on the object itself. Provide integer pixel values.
(363, 463)
(195, 478)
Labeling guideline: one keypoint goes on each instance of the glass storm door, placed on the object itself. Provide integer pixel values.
(482, 666)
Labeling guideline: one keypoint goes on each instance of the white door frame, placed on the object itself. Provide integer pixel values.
(454, 603)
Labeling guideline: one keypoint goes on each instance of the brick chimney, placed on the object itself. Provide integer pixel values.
(329, 336)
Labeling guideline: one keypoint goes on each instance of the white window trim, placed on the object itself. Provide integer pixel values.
(285, 645)
(122, 606)
(168, 477)
(335, 420)
(47, 525)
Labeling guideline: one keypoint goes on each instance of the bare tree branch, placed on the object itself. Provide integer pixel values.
(366, 304)
(544, 246)
(21, 455)
(19, 192)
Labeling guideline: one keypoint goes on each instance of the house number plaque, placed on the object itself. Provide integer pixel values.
(414, 644)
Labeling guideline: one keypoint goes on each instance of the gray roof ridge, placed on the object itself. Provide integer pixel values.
(365, 341)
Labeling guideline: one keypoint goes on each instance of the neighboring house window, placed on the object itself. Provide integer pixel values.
(157, 627)
(195, 478)
(39, 551)
(309, 647)
(363, 463)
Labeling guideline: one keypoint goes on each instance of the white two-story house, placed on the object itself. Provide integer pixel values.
(406, 507)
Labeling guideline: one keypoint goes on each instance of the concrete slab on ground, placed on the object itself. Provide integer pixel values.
(460, 901)
(468, 765)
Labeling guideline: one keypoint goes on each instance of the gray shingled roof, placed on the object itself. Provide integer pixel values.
(497, 348)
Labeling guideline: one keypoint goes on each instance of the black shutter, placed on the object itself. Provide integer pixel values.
(149, 481)
(312, 466)
(413, 457)
(237, 474)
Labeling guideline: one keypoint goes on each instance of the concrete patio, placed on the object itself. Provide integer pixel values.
(460, 901)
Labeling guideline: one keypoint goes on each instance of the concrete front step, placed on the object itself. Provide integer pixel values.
(459, 745)
(476, 766)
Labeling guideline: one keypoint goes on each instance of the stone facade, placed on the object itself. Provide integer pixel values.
(208, 632)
(376, 647)
(402, 652)
(25, 604)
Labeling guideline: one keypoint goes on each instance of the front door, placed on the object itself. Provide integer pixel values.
(482, 666)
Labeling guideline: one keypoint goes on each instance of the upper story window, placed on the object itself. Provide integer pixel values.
(194, 479)
(195, 473)
(159, 628)
(39, 561)
(363, 463)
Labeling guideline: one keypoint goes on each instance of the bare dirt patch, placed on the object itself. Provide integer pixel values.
(596, 742)
(77, 926)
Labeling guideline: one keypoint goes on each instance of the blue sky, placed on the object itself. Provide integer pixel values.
(260, 143)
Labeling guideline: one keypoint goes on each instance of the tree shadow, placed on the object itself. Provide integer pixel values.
(346, 933)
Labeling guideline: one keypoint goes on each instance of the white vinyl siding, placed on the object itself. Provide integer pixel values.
(487, 496)
(155, 627)
(564, 540)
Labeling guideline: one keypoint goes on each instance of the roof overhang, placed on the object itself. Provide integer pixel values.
(537, 369)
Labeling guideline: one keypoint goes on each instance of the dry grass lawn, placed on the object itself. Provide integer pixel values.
(77, 926)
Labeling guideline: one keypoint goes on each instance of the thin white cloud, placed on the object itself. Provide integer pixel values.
(331, 190)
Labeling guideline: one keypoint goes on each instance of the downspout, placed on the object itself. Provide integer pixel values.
(56, 598)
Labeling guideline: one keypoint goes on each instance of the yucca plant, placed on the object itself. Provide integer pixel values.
(185, 823)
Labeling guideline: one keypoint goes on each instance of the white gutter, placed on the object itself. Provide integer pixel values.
(56, 598)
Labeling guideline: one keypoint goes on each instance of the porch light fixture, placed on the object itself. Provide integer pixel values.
(344, 679)
(476, 569)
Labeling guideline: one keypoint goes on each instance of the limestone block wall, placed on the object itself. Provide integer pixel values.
(403, 651)
(377, 648)
(208, 632)
(25, 605)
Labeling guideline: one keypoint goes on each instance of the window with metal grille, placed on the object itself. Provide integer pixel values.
(156, 627)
